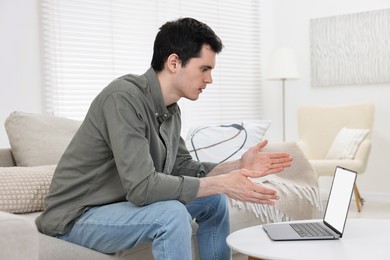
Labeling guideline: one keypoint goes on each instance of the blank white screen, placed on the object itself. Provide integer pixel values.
(340, 198)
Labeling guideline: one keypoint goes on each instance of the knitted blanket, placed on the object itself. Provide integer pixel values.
(297, 187)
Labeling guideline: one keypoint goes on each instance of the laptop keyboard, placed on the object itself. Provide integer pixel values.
(310, 230)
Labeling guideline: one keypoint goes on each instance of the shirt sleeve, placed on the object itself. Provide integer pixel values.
(124, 126)
(186, 166)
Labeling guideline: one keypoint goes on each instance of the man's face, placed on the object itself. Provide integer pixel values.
(194, 77)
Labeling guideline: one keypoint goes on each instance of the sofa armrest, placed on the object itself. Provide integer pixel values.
(6, 158)
(18, 238)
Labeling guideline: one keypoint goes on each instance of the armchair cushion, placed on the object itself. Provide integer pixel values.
(346, 143)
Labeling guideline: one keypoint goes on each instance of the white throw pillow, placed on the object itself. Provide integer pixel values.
(37, 139)
(346, 143)
(225, 142)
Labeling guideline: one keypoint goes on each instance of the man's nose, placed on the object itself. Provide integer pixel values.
(209, 78)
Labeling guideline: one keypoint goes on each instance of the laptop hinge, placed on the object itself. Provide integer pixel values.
(333, 229)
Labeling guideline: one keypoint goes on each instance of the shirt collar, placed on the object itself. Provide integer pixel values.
(161, 111)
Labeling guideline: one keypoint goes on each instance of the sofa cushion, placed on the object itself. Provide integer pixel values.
(18, 239)
(39, 139)
(225, 142)
(22, 189)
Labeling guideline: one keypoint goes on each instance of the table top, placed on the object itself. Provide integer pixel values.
(362, 239)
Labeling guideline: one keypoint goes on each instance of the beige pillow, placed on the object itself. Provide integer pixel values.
(39, 139)
(23, 189)
(346, 143)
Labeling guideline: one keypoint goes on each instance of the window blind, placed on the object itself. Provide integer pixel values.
(88, 43)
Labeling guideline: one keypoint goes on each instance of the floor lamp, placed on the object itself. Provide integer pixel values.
(282, 67)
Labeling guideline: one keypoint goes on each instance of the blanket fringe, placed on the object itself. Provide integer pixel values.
(311, 194)
(265, 212)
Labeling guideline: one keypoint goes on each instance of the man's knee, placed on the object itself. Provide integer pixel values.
(220, 202)
(176, 211)
(223, 201)
(175, 219)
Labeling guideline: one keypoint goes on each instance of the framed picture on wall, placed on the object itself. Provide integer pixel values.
(350, 49)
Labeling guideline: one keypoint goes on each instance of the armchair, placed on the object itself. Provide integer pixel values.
(319, 125)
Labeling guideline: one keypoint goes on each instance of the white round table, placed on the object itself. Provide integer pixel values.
(362, 239)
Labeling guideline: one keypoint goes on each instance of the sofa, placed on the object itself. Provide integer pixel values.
(26, 167)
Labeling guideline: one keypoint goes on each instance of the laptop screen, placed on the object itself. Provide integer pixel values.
(340, 198)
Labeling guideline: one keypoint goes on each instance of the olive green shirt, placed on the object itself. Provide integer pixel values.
(127, 148)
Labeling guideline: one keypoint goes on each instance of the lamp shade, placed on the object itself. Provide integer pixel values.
(283, 65)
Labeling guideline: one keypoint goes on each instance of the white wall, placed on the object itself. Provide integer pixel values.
(20, 67)
(289, 26)
(285, 23)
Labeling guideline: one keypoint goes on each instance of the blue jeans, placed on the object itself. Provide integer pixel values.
(167, 224)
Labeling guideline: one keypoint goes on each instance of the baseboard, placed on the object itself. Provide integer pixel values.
(325, 183)
(367, 196)
(376, 196)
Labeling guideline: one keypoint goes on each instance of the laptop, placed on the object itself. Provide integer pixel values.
(333, 223)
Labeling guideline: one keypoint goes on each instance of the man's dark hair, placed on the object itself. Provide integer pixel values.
(184, 37)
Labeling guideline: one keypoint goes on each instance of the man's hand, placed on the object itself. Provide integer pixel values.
(237, 185)
(241, 188)
(255, 160)
(233, 178)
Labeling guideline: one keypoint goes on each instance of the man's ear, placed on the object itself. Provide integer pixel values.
(173, 62)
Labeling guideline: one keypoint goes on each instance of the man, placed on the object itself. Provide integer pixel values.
(127, 178)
